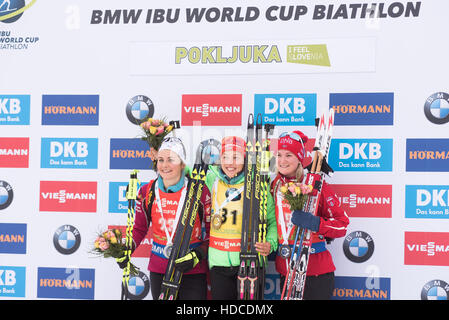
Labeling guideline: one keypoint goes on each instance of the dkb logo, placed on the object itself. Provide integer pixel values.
(286, 109)
(73, 153)
(361, 154)
(14, 109)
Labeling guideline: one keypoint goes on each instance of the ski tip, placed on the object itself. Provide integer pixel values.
(322, 120)
(250, 120)
(259, 121)
(331, 117)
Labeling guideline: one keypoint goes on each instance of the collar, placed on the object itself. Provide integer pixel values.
(174, 188)
(235, 180)
(285, 179)
(281, 180)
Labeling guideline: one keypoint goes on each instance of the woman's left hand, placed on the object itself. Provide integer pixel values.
(263, 248)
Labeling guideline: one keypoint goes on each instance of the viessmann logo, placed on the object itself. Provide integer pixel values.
(211, 109)
(426, 248)
(14, 152)
(370, 201)
(68, 196)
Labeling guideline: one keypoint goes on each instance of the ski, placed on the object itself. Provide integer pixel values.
(263, 211)
(131, 195)
(251, 274)
(296, 276)
(172, 277)
(247, 258)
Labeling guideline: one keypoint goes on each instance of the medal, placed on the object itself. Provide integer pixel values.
(167, 250)
(285, 251)
(217, 220)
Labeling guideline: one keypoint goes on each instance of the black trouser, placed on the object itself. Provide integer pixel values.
(193, 286)
(223, 283)
(317, 287)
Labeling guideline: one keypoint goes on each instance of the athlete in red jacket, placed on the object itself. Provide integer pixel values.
(160, 209)
(331, 220)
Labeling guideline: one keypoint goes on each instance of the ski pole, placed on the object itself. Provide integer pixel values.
(131, 195)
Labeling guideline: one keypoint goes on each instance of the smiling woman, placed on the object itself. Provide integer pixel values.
(171, 162)
(160, 205)
(226, 184)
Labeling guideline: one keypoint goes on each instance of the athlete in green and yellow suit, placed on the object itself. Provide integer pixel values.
(226, 185)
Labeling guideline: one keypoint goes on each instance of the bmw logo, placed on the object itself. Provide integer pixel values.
(139, 109)
(358, 246)
(435, 290)
(138, 286)
(436, 108)
(6, 194)
(67, 239)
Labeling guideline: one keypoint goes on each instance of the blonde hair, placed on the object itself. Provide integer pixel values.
(298, 174)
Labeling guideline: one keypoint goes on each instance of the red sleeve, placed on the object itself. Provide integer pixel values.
(333, 219)
(141, 220)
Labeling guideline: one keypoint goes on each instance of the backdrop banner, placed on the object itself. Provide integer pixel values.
(77, 77)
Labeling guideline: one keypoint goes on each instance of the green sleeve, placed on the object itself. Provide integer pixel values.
(272, 232)
(187, 170)
(210, 178)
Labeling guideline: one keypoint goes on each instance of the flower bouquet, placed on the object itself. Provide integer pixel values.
(108, 244)
(296, 194)
(155, 131)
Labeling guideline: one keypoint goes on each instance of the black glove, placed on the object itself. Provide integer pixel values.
(306, 220)
(122, 261)
(190, 260)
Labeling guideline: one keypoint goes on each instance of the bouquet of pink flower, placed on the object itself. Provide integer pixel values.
(155, 131)
(296, 194)
(109, 244)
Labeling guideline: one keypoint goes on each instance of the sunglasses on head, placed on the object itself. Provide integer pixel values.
(172, 139)
(296, 137)
(176, 140)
